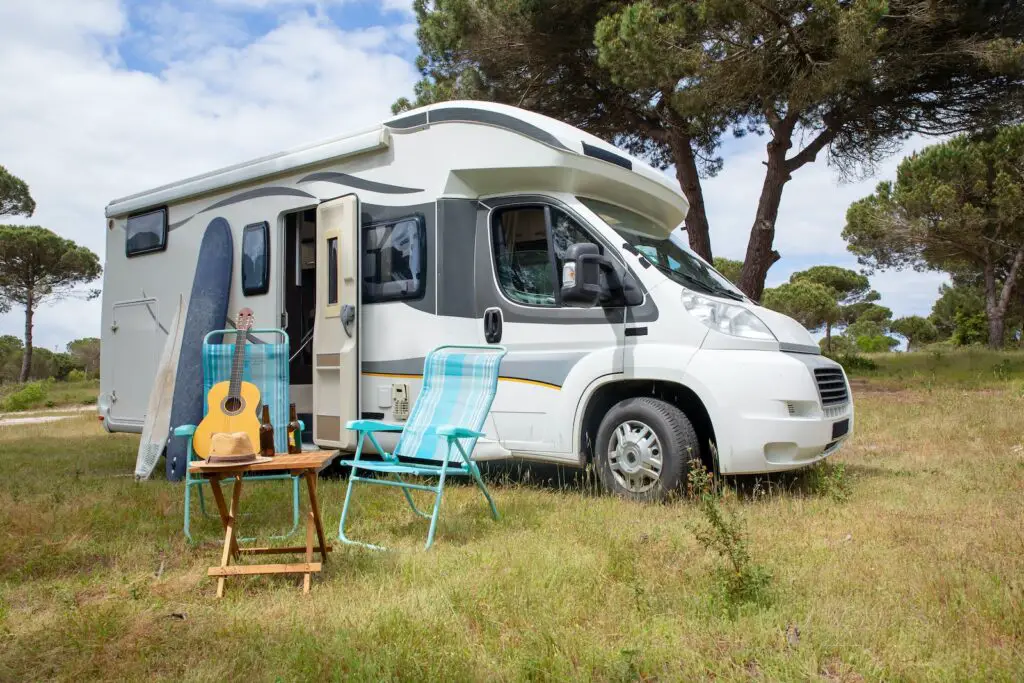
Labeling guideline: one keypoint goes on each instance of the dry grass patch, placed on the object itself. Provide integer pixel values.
(913, 571)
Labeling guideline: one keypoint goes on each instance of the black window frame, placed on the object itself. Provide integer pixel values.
(264, 226)
(496, 240)
(421, 233)
(163, 237)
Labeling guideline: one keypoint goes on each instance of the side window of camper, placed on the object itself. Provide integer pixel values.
(146, 232)
(529, 265)
(394, 260)
(256, 259)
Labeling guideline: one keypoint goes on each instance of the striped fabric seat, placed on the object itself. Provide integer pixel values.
(266, 366)
(458, 388)
(459, 384)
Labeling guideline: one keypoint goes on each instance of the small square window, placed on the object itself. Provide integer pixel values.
(394, 261)
(256, 259)
(146, 232)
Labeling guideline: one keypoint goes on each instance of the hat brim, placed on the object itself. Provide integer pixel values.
(206, 464)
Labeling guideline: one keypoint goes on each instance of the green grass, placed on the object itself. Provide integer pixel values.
(905, 564)
(939, 366)
(54, 395)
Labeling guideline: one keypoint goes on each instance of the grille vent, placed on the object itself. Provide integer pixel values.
(831, 386)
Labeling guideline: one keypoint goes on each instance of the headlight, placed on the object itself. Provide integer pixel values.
(726, 318)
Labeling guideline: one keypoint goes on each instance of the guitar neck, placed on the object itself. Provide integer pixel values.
(234, 388)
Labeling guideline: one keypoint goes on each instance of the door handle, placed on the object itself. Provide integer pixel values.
(348, 316)
(492, 325)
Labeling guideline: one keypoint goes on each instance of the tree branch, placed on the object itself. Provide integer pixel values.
(809, 153)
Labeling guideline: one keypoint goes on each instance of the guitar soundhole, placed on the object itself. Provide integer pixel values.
(233, 405)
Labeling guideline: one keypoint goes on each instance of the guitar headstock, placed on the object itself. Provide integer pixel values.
(244, 322)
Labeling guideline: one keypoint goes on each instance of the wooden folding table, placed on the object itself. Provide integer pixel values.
(307, 465)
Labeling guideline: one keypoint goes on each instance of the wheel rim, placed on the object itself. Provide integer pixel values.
(635, 457)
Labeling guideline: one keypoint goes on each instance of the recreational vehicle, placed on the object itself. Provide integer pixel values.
(478, 223)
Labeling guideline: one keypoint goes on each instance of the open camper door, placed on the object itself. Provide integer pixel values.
(336, 330)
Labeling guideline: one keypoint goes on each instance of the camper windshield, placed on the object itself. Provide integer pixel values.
(668, 252)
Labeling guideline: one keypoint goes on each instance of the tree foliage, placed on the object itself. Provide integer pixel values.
(86, 353)
(915, 329)
(810, 303)
(729, 268)
(36, 266)
(956, 207)
(668, 78)
(15, 199)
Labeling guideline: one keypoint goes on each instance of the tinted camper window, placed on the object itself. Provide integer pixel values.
(529, 251)
(394, 261)
(256, 259)
(146, 232)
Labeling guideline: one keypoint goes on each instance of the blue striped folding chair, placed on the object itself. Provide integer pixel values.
(459, 383)
(266, 366)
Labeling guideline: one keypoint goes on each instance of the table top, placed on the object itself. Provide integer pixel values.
(283, 462)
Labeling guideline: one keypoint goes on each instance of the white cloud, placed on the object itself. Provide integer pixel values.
(82, 128)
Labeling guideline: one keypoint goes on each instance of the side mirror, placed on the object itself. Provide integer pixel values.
(581, 275)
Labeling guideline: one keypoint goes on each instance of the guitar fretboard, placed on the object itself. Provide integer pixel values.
(238, 365)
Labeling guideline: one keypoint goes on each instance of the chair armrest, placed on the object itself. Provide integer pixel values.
(372, 426)
(185, 430)
(458, 432)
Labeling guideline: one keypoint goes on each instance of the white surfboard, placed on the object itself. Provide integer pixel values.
(156, 428)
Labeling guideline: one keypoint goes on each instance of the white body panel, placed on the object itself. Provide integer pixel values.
(450, 165)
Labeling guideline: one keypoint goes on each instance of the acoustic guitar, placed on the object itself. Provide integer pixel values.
(232, 404)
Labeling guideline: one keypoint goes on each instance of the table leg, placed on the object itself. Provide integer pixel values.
(222, 507)
(309, 551)
(314, 511)
(230, 543)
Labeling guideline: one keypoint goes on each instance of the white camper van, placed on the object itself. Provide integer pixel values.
(478, 223)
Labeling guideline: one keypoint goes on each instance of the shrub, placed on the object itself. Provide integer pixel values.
(741, 579)
(26, 397)
(76, 376)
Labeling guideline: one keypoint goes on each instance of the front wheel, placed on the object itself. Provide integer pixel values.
(644, 447)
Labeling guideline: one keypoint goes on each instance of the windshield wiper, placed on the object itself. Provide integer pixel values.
(700, 284)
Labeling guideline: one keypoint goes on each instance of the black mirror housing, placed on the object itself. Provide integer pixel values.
(581, 275)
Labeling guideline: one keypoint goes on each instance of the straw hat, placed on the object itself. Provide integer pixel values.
(232, 450)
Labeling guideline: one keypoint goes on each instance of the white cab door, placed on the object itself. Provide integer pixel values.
(336, 331)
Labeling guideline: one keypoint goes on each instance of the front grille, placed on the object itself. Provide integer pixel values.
(831, 386)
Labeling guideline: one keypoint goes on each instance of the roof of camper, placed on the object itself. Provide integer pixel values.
(538, 127)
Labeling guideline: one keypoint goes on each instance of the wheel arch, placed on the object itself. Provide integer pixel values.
(602, 397)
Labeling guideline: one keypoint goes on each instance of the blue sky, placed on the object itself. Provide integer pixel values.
(117, 96)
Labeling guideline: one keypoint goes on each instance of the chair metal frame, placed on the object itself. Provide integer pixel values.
(186, 431)
(393, 464)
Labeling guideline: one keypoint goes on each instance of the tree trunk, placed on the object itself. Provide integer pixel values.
(760, 255)
(26, 356)
(828, 337)
(997, 305)
(697, 228)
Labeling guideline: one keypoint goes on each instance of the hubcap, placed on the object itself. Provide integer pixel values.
(634, 456)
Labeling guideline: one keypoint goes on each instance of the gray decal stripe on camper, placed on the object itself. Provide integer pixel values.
(551, 369)
(413, 121)
(494, 118)
(248, 194)
(358, 183)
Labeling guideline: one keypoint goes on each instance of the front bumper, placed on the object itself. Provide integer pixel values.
(768, 414)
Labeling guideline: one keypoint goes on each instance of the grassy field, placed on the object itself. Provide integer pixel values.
(52, 395)
(902, 561)
(965, 368)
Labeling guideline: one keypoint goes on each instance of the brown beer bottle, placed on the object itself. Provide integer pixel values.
(293, 431)
(266, 434)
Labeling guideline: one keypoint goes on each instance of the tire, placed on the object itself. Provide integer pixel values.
(626, 457)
